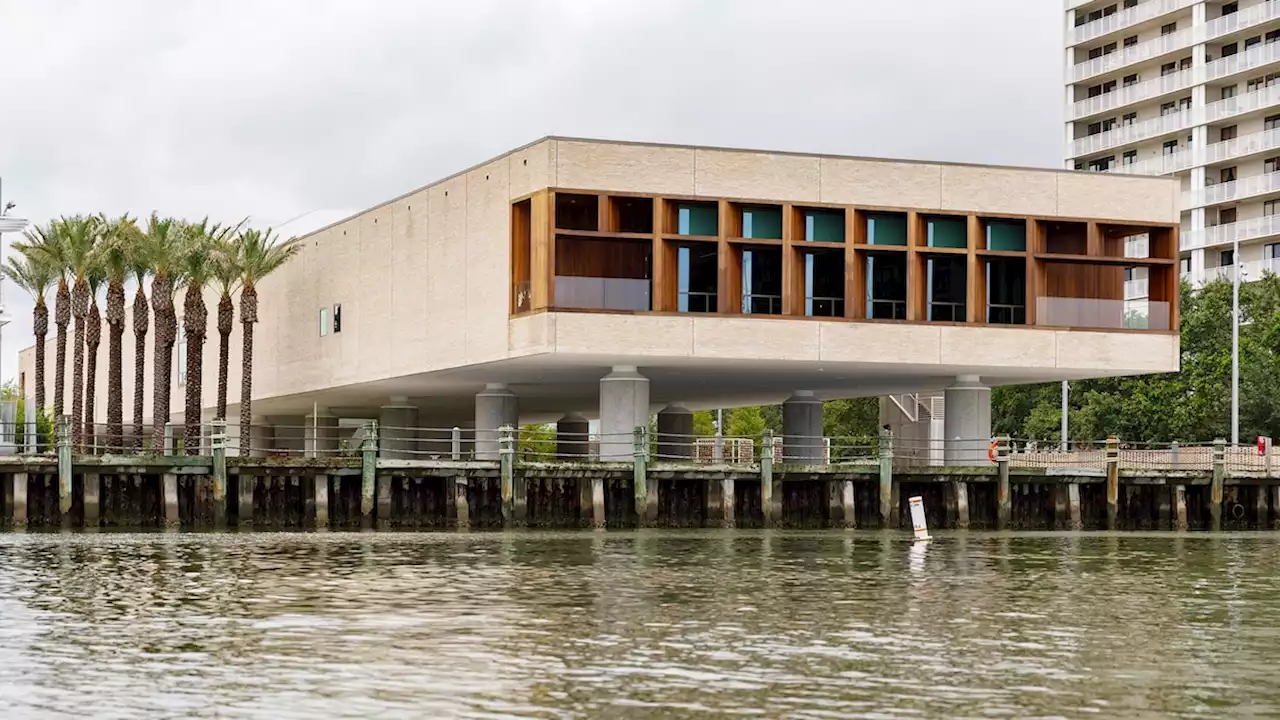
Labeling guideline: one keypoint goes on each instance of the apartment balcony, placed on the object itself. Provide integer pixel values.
(1241, 189)
(1163, 165)
(1257, 57)
(1253, 143)
(1138, 92)
(1228, 233)
(1126, 18)
(1240, 104)
(1248, 272)
(1136, 288)
(1131, 55)
(1242, 20)
(1132, 133)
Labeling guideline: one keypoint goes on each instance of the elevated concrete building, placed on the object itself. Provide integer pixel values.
(579, 279)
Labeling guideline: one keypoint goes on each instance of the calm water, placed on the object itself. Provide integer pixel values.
(771, 624)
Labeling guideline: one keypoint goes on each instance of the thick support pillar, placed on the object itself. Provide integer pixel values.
(64, 468)
(573, 438)
(496, 407)
(1180, 507)
(92, 490)
(1215, 490)
(766, 482)
(802, 440)
(461, 508)
(398, 430)
(1073, 506)
(218, 446)
(888, 508)
(1164, 507)
(960, 489)
(383, 511)
(169, 492)
(967, 422)
(18, 505)
(1113, 482)
(624, 406)
(320, 434)
(320, 491)
(1274, 492)
(1004, 498)
(368, 473)
(675, 434)
(728, 503)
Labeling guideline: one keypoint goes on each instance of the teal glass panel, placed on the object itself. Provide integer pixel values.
(762, 223)
(697, 220)
(886, 229)
(824, 226)
(948, 232)
(1011, 236)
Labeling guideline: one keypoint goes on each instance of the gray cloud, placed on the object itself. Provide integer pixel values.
(280, 108)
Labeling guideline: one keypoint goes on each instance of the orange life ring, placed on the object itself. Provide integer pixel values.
(991, 450)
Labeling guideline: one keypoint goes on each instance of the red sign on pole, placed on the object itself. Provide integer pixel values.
(1264, 445)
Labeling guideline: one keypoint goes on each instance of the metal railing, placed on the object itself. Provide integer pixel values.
(1130, 94)
(1239, 104)
(1125, 18)
(1261, 141)
(1228, 233)
(759, 304)
(1231, 191)
(1253, 270)
(1134, 132)
(1131, 55)
(1241, 20)
(1250, 59)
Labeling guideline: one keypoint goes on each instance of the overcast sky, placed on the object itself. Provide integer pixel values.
(314, 109)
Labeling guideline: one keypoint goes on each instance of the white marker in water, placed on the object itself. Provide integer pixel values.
(917, 518)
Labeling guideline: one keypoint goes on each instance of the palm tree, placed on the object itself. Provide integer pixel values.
(47, 247)
(80, 233)
(115, 255)
(261, 253)
(226, 272)
(162, 245)
(28, 271)
(140, 269)
(199, 261)
(92, 338)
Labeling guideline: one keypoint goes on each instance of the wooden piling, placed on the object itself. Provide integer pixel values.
(850, 515)
(320, 493)
(1274, 492)
(383, 512)
(646, 497)
(766, 480)
(169, 499)
(18, 505)
(1215, 489)
(1164, 507)
(597, 503)
(713, 502)
(728, 503)
(368, 473)
(91, 494)
(218, 446)
(461, 506)
(1260, 507)
(888, 508)
(960, 489)
(1075, 518)
(1113, 482)
(1180, 507)
(1004, 498)
(64, 469)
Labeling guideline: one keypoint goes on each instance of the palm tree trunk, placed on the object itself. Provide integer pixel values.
(79, 298)
(226, 315)
(40, 324)
(61, 317)
(141, 322)
(115, 369)
(166, 330)
(93, 338)
(248, 316)
(195, 319)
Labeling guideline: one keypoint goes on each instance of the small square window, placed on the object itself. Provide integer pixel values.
(324, 322)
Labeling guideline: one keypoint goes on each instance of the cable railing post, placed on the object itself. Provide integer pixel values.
(1219, 476)
(1004, 499)
(64, 468)
(506, 468)
(646, 501)
(368, 472)
(1113, 482)
(888, 518)
(218, 445)
(455, 451)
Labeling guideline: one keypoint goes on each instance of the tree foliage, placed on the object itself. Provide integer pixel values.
(1193, 404)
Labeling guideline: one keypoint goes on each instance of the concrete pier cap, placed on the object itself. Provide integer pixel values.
(967, 421)
(496, 407)
(802, 439)
(624, 406)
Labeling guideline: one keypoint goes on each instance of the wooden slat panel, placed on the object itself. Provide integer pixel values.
(1034, 245)
(917, 278)
(975, 279)
(855, 273)
(664, 269)
(792, 268)
(542, 265)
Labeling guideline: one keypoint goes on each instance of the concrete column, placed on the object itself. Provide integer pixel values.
(960, 489)
(496, 406)
(1073, 506)
(169, 492)
(397, 429)
(18, 508)
(92, 489)
(320, 436)
(321, 493)
(624, 406)
(1180, 507)
(675, 434)
(802, 429)
(573, 440)
(967, 422)
(729, 504)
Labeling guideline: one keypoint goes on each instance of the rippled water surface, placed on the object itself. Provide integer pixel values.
(771, 624)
